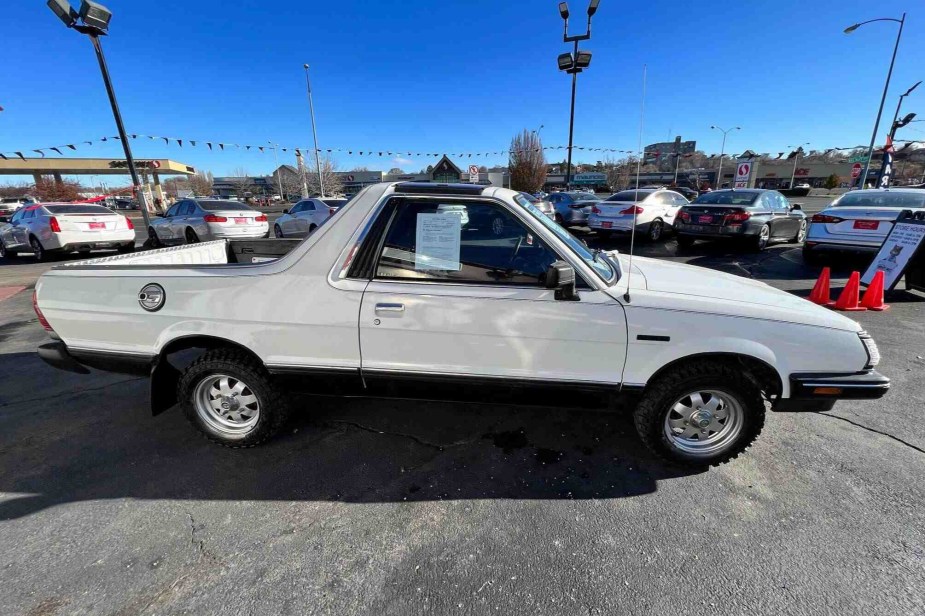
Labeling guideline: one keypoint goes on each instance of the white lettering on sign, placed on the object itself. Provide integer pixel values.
(437, 241)
(894, 255)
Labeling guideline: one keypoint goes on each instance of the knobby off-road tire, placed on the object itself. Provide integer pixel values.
(700, 414)
(231, 399)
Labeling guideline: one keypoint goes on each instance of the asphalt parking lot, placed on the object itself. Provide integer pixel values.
(405, 507)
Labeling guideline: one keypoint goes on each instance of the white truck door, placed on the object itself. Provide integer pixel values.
(464, 296)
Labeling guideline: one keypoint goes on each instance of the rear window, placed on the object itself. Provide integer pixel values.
(530, 198)
(78, 209)
(629, 195)
(334, 202)
(215, 206)
(729, 197)
(882, 199)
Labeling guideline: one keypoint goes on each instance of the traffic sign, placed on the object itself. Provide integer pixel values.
(856, 170)
(474, 174)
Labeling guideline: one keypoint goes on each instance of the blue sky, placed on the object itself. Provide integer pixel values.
(454, 76)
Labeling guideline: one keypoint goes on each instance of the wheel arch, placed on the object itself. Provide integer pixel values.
(165, 376)
(764, 375)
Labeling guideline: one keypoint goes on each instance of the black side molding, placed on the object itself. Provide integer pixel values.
(653, 338)
(55, 354)
(866, 385)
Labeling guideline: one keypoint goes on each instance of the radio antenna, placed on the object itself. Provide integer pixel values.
(639, 154)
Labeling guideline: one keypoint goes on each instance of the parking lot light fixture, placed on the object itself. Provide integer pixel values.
(311, 107)
(886, 87)
(722, 152)
(573, 63)
(93, 20)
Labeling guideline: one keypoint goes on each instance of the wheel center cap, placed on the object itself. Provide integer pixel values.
(702, 418)
(229, 404)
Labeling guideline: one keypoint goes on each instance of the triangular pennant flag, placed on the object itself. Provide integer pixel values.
(150, 137)
(222, 146)
(209, 143)
(88, 142)
(3, 156)
(260, 147)
(73, 147)
(19, 154)
(298, 152)
(180, 142)
(166, 140)
(284, 149)
(103, 139)
(40, 152)
(248, 148)
(134, 136)
(57, 150)
(192, 143)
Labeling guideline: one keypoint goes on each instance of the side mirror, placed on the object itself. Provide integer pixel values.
(286, 211)
(561, 277)
(796, 206)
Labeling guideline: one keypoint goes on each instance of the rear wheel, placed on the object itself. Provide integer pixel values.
(229, 397)
(801, 233)
(701, 414)
(191, 237)
(760, 241)
(311, 229)
(656, 228)
(277, 231)
(38, 251)
(6, 254)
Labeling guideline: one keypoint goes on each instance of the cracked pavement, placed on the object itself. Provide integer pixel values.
(371, 506)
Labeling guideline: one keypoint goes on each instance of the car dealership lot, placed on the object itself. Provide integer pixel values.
(391, 506)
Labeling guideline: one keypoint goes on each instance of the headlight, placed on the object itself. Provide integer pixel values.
(873, 353)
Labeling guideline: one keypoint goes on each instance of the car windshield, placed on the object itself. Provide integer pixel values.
(629, 195)
(600, 265)
(583, 196)
(882, 199)
(214, 206)
(78, 209)
(726, 197)
(335, 203)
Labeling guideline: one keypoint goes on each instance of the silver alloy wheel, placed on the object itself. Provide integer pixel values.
(2, 250)
(226, 405)
(37, 251)
(277, 231)
(703, 423)
(801, 234)
(655, 230)
(764, 235)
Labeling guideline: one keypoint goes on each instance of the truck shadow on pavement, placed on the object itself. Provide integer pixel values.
(97, 440)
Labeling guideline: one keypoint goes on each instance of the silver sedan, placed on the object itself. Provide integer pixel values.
(306, 216)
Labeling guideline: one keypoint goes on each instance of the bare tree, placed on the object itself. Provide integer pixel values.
(333, 185)
(50, 190)
(201, 183)
(619, 171)
(527, 162)
(360, 168)
(15, 190)
(396, 171)
(243, 183)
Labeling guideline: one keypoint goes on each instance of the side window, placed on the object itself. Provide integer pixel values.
(295, 209)
(173, 210)
(18, 216)
(678, 199)
(782, 202)
(308, 206)
(28, 215)
(186, 209)
(463, 241)
(658, 198)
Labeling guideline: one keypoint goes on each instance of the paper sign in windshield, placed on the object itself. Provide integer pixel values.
(437, 242)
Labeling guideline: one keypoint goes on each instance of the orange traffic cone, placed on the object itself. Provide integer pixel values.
(820, 294)
(873, 296)
(848, 300)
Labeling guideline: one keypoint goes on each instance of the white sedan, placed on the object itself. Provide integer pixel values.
(194, 220)
(65, 227)
(306, 216)
(652, 209)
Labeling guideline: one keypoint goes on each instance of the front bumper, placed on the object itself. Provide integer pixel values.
(808, 390)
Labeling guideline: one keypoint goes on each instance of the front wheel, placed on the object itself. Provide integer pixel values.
(702, 414)
(277, 231)
(191, 237)
(229, 397)
(155, 240)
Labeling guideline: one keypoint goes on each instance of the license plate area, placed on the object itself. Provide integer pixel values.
(867, 225)
(95, 226)
(241, 221)
(704, 219)
(606, 225)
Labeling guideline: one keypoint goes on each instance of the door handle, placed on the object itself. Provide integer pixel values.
(384, 308)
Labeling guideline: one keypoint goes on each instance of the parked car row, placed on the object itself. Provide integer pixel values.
(46, 228)
(194, 220)
(8, 205)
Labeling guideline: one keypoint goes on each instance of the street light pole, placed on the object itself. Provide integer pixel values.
(311, 107)
(571, 127)
(279, 176)
(722, 153)
(886, 87)
(900, 103)
(796, 157)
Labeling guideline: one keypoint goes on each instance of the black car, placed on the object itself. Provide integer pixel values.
(757, 217)
(689, 193)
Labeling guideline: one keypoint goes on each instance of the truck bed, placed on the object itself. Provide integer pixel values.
(218, 252)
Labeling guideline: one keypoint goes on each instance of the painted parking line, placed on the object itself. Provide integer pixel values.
(8, 292)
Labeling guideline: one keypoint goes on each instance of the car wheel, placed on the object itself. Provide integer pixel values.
(155, 240)
(559, 219)
(801, 234)
(656, 227)
(126, 248)
(38, 251)
(311, 228)
(277, 231)
(6, 254)
(685, 241)
(701, 414)
(228, 396)
(760, 241)
(191, 237)
(812, 257)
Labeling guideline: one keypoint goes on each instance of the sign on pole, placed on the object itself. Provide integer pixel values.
(474, 174)
(743, 172)
(856, 170)
(899, 248)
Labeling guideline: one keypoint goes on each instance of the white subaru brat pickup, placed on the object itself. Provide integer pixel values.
(466, 287)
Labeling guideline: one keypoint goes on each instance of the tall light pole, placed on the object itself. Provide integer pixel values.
(574, 63)
(722, 153)
(796, 156)
(900, 104)
(279, 176)
(94, 22)
(311, 107)
(886, 86)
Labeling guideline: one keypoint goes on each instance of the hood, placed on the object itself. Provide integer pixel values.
(688, 287)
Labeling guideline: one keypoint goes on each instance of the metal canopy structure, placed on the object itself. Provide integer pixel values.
(58, 167)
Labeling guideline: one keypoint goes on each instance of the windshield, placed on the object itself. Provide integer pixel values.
(214, 206)
(583, 196)
(726, 197)
(882, 199)
(600, 265)
(78, 209)
(629, 195)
